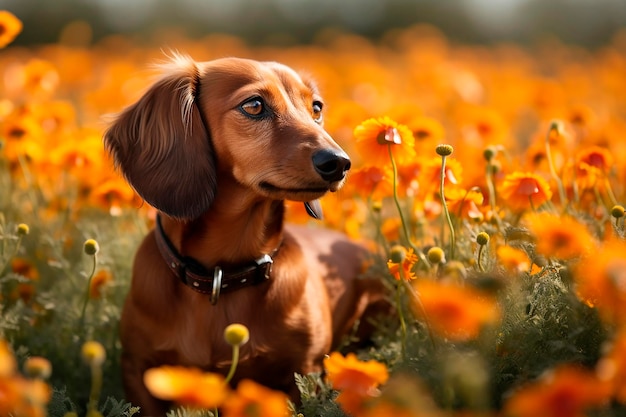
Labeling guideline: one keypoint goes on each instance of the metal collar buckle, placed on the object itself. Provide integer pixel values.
(265, 264)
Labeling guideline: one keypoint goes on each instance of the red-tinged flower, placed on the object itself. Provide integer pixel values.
(374, 138)
(600, 280)
(592, 165)
(371, 181)
(401, 263)
(254, 400)
(10, 27)
(560, 237)
(454, 311)
(521, 191)
(186, 386)
(567, 391)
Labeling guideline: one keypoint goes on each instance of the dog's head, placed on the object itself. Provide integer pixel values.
(259, 123)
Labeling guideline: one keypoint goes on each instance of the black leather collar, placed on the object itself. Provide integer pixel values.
(216, 280)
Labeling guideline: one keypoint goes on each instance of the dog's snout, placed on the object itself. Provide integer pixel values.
(331, 164)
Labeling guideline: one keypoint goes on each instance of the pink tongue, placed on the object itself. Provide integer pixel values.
(314, 209)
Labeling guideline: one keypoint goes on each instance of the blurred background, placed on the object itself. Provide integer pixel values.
(589, 23)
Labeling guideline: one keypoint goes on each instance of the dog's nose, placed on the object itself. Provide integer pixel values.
(331, 164)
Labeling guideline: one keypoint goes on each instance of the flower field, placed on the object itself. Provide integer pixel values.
(488, 182)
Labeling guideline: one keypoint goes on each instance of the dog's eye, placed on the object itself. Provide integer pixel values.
(317, 111)
(253, 107)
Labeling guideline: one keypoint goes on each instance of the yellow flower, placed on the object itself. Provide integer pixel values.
(10, 27)
(8, 365)
(186, 386)
(453, 311)
(560, 237)
(374, 135)
(521, 191)
(93, 353)
(564, 392)
(254, 400)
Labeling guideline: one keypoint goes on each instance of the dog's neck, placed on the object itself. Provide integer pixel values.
(231, 231)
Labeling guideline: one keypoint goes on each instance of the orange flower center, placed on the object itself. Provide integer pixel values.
(528, 186)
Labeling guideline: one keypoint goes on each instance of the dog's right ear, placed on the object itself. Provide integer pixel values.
(162, 146)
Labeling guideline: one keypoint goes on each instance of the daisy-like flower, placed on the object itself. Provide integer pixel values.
(430, 176)
(10, 27)
(254, 400)
(523, 190)
(357, 380)
(564, 392)
(454, 311)
(560, 237)
(601, 280)
(402, 262)
(464, 204)
(186, 386)
(373, 137)
(427, 131)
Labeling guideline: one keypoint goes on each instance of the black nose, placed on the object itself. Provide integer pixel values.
(331, 164)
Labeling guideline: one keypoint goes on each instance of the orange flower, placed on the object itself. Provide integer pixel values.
(453, 311)
(98, 283)
(592, 165)
(427, 132)
(513, 259)
(350, 373)
(612, 367)
(373, 137)
(464, 204)
(186, 386)
(8, 364)
(430, 176)
(255, 400)
(564, 392)
(601, 280)
(375, 182)
(24, 268)
(357, 380)
(10, 27)
(521, 191)
(402, 268)
(560, 237)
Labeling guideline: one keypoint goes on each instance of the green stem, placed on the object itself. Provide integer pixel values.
(401, 315)
(86, 301)
(479, 260)
(405, 227)
(445, 207)
(96, 387)
(13, 255)
(556, 178)
(233, 364)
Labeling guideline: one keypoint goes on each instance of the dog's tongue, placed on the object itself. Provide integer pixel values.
(314, 209)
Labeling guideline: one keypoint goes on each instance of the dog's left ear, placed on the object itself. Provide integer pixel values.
(162, 145)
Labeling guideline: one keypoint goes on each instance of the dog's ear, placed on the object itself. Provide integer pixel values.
(162, 146)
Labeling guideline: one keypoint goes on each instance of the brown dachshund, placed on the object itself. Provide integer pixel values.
(217, 147)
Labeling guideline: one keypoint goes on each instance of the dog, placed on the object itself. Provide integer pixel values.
(217, 147)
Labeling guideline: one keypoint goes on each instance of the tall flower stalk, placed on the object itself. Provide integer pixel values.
(444, 151)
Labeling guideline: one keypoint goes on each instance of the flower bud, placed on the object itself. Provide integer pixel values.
(38, 367)
(23, 229)
(91, 247)
(617, 211)
(482, 238)
(436, 255)
(444, 150)
(397, 254)
(236, 334)
(93, 353)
